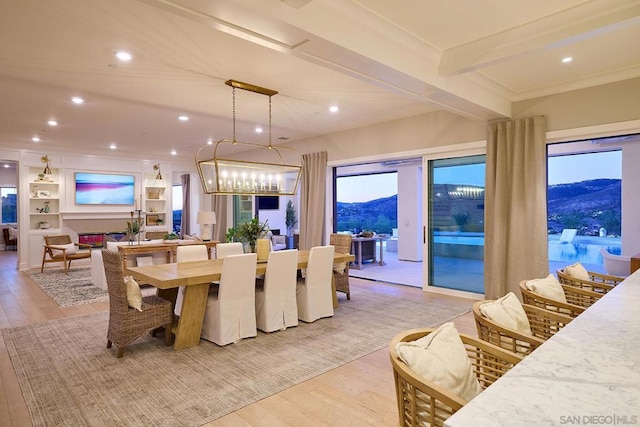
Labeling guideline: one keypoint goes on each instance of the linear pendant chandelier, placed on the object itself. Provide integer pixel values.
(273, 177)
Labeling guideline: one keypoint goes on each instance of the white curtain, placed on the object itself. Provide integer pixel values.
(219, 203)
(515, 205)
(312, 199)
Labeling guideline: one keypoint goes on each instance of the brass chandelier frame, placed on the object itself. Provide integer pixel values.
(244, 177)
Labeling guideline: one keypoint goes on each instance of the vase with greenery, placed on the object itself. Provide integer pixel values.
(249, 232)
(133, 229)
(290, 218)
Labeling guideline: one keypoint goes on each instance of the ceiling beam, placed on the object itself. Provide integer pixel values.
(564, 28)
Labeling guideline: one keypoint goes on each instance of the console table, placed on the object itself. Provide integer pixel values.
(169, 248)
(364, 249)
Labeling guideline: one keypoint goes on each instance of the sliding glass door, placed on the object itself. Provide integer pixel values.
(455, 236)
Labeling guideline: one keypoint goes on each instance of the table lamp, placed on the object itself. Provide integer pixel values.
(205, 221)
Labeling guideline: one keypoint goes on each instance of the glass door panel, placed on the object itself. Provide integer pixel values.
(456, 223)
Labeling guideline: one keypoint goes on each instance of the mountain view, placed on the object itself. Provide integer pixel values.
(586, 206)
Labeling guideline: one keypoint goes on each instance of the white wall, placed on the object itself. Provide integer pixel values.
(410, 213)
(630, 199)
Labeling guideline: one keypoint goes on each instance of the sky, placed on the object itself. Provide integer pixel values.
(582, 167)
(362, 188)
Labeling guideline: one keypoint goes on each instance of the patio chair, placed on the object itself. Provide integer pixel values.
(616, 265)
(61, 249)
(342, 244)
(423, 402)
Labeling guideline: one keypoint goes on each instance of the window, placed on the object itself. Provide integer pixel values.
(9, 205)
(367, 202)
(584, 194)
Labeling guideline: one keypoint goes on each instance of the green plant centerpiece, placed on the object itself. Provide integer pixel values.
(290, 218)
(133, 228)
(249, 232)
(171, 236)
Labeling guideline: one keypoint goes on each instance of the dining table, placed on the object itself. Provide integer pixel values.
(195, 277)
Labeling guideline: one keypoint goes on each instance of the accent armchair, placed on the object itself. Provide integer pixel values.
(61, 249)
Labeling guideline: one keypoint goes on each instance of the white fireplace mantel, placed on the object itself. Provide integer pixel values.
(95, 215)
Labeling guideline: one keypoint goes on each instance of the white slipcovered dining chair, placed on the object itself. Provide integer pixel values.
(314, 295)
(188, 253)
(225, 249)
(231, 312)
(276, 306)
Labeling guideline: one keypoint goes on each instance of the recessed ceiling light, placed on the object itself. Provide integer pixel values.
(183, 118)
(6, 165)
(123, 56)
(210, 141)
(35, 139)
(113, 146)
(174, 152)
(52, 123)
(258, 129)
(77, 100)
(567, 59)
(334, 109)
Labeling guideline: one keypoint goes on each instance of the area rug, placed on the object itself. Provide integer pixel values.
(69, 289)
(69, 378)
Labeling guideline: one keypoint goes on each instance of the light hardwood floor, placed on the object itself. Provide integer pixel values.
(360, 393)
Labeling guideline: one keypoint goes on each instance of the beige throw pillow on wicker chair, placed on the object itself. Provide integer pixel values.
(548, 287)
(508, 313)
(441, 357)
(134, 294)
(578, 271)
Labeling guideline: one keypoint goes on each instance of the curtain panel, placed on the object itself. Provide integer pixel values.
(186, 205)
(515, 205)
(219, 203)
(312, 199)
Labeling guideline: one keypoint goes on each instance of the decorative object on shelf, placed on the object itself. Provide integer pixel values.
(205, 221)
(152, 209)
(156, 167)
(134, 227)
(44, 209)
(249, 232)
(152, 219)
(43, 225)
(290, 218)
(153, 193)
(47, 168)
(43, 193)
(227, 176)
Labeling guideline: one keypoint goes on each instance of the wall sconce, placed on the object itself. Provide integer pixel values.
(47, 169)
(205, 220)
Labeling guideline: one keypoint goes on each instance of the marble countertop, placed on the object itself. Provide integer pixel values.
(587, 374)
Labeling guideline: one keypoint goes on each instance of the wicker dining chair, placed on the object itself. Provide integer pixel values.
(342, 244)
(424, 403)
(544, 324)
(601, 283)
(569, 308)
(127, 324)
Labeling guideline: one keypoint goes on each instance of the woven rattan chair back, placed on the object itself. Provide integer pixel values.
(126, 324)
(600, 283)
(423, 403)
(342, 244)
(568, 309)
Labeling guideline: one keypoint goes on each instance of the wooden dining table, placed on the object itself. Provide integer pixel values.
(195, 277)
